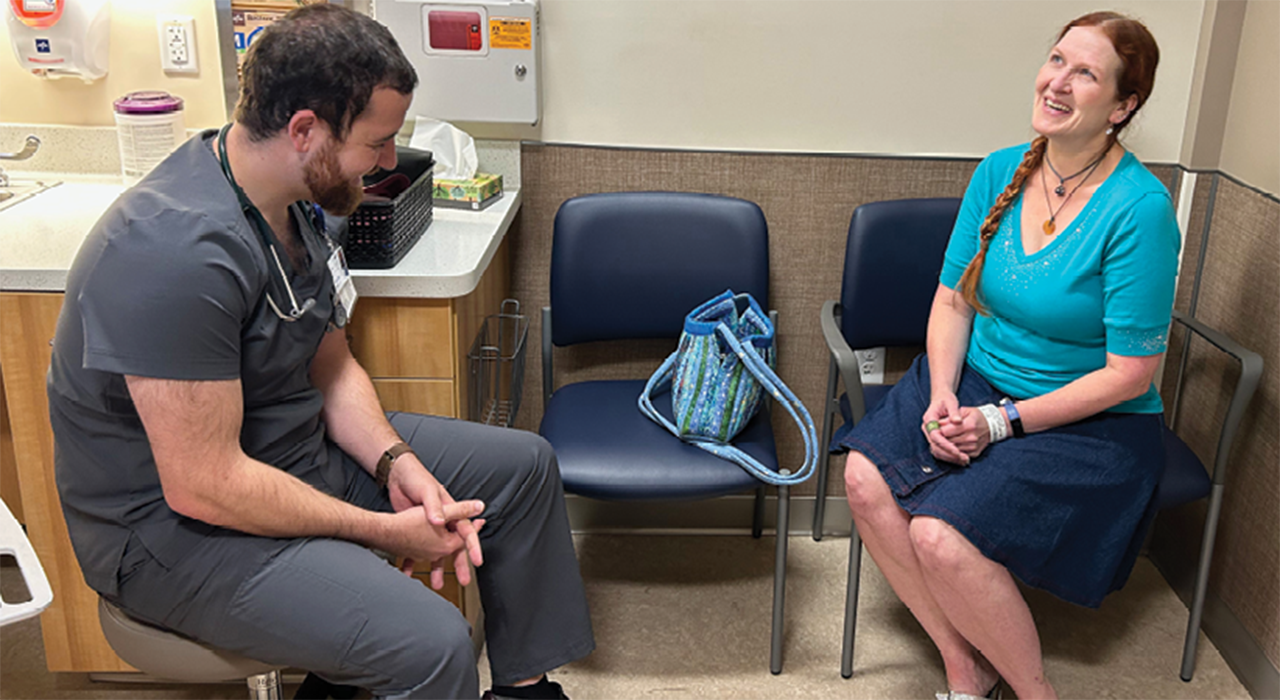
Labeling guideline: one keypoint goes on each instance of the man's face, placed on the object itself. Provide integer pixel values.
(334, 170)
(334, 193)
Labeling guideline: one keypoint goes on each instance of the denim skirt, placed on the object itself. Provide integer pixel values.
(1064, 510)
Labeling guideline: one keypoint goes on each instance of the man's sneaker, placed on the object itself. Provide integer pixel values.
(553, 691)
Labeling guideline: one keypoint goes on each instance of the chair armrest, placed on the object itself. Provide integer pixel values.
(844, 357)
(1250, 374)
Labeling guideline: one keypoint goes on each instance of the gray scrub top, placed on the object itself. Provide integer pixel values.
(172, 283)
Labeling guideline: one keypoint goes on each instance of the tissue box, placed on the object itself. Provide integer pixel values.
(476, 193)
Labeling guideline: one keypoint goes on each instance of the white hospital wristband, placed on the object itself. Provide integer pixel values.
(996, 426)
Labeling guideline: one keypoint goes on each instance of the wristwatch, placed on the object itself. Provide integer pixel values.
(384, 462)
(1015, 419)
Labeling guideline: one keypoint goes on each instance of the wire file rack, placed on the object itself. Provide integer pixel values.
(496, 366)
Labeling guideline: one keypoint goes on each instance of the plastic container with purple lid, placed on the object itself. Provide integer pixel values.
(150, 125)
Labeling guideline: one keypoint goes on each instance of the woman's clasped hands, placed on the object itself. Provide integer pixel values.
(955, 433)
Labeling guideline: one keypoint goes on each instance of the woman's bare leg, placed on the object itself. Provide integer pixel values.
(885, 530)
(982, 602)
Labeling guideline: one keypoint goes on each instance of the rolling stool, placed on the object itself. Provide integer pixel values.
(167, 655)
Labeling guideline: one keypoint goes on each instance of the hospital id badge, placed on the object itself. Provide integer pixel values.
(344, 289)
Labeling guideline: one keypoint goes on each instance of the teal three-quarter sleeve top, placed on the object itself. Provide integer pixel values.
(1105, 284)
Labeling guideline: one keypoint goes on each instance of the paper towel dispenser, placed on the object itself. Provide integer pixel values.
(476, 62)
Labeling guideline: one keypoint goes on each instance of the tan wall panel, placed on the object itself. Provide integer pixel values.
(1239, 295)
(1193, 239)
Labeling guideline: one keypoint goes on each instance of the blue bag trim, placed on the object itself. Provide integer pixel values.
(757, 356)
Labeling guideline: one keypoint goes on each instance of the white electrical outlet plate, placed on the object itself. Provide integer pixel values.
(177, 43)
(871, 365)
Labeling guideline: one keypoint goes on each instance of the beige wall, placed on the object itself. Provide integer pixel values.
(1251, 140)
(134, 64)
(941, 77)
(936, 77)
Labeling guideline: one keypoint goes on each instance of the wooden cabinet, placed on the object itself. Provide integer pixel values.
(8, 463)
(73, 641)
(415, 350)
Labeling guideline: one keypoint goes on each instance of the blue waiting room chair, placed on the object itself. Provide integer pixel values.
(892, 262)
(630, 266)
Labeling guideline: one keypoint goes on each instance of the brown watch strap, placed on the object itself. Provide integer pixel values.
(384, 462)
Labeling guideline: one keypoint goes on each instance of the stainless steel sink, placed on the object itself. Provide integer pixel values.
(21, 190)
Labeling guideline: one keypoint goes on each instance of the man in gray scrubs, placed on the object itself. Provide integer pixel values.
(224, 464)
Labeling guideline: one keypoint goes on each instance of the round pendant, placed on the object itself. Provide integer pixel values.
(1059, 190)
(1049, 227)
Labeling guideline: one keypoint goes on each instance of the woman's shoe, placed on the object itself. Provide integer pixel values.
(993, 694)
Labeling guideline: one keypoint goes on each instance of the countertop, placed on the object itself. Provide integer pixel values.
(39, 238)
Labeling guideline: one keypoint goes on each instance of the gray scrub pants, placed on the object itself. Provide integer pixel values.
(335, 608)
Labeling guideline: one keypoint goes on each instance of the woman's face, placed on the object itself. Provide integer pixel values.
(1076, 88)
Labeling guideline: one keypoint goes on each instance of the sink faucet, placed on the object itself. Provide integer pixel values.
(29, 149)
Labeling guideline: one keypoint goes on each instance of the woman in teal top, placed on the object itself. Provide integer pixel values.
(1101, 284)
(1026, 442)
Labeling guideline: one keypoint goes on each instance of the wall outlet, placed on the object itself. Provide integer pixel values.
(871, 365)
(177, 43)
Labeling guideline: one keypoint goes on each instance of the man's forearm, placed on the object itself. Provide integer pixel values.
(259, 499)
(255, 498)
(352, 414)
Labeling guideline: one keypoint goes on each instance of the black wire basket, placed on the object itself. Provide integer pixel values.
(496, 362)
(380, 233)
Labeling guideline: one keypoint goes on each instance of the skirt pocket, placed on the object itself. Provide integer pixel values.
(906, 476)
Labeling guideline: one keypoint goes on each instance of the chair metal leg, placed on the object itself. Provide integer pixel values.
(757, 520)
(820, 503)
(1202, 583)
(851, 601)
(780, 577)
(265, 686)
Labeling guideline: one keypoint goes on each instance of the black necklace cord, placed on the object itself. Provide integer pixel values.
(1050, 226)
(1061, 189)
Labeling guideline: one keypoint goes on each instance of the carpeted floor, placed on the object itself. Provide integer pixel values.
(688, 617)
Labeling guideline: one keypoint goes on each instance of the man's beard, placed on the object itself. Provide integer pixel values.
(334, 193)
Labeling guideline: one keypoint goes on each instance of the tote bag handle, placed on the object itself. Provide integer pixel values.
(770, 382)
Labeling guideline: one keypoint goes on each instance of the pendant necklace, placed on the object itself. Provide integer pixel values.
(1061, 189)
(1049, 227)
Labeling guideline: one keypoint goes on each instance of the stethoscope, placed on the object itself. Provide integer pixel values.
(259, 223)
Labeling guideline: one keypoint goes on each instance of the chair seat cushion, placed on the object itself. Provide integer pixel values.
(1185, 478)
(608, 449)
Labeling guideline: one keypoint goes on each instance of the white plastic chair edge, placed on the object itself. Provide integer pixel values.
(14, 541)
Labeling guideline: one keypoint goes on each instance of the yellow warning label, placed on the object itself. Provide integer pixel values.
(510, 33)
